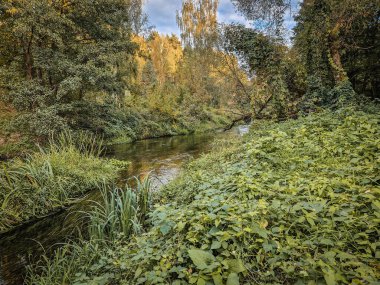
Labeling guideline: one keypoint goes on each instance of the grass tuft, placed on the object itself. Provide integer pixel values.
(121, 211)
(52, 178)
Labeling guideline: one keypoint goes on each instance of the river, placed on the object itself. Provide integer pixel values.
(162, 157)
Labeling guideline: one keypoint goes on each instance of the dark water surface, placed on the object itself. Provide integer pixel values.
(163, 157)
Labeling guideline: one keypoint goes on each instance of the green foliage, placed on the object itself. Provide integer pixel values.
(59, 51)
(77, 65)
(42, 122)
(311, 44)
(319, 96)
(292, 203)
(258, 50)
(65, 264)
(339, 40)
(115, 125)
(52, 178)
(11, 141)
(278, 73)
(121, 211)
(266, 13)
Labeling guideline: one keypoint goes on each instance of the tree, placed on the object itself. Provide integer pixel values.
(267, 13)
(58, 51)
(165, 54)
(339, 41)
(276, 72)
(198, 23)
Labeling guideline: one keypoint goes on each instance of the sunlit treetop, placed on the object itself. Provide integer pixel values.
(198, 23)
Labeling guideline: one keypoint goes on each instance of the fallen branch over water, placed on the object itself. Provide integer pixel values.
(245, 118)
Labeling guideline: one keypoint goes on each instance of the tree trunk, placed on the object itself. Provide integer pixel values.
(28, 60)
(28, 65)
(335, 59)
(245, 117)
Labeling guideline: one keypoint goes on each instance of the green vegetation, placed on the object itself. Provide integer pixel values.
(293, 202)
(137, 124)
(52, 178)
(98, 67)
(121, 211)
(11, 141)
(85, 66)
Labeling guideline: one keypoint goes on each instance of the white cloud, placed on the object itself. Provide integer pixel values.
(162, 15)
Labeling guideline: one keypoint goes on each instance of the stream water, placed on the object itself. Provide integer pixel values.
(163, 157)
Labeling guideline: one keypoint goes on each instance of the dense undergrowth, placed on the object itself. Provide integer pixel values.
(292, 203)
(12, 142)
(52, 178)
(19, 132)
(136, 124)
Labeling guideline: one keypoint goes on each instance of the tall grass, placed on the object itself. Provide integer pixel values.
(86, 143)
(120, 214)
(63, 266)
(121, 211)
(53, 177)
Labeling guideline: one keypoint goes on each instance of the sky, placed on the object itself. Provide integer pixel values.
(162, 15)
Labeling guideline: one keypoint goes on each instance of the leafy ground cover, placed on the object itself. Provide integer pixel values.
(292, 203)
(51, 179)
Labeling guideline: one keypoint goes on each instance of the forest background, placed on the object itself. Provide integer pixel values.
(98, 67)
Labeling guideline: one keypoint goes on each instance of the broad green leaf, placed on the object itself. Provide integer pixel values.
(181, 226)
(329, 276)
(138, 272)
(236, 265)
(233, 279)
(202, 259)
(217, 278)
(165, 229)
(216, 244)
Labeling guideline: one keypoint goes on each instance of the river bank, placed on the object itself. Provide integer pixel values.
(162, 157)
(52, 178)
(11, 217)
(33, 159)
(19, 137)
(292, 202)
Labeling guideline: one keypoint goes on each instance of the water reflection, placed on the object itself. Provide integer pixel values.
(162, 157)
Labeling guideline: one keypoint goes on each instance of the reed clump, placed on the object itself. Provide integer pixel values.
(120, 211)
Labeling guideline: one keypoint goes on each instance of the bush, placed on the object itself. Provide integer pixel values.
(320, 96)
